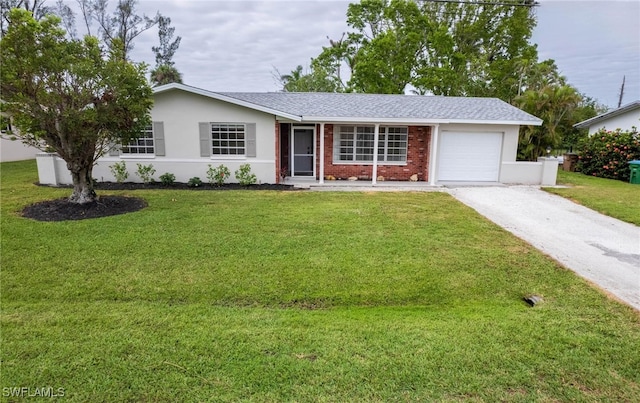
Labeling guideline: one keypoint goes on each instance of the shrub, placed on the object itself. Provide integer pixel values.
(606, 154)
(167, 179)
(119, 171)
(244, 175)
(218, 175)
(145, 172)
(194, 182)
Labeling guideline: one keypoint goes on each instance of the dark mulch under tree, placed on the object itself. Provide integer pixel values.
(63, 210)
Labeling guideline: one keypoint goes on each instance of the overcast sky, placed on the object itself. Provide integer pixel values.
(234, 45)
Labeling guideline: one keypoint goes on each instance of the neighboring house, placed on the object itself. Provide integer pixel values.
(15, 150)
(322, 135)
(624, 118)
(12, 149)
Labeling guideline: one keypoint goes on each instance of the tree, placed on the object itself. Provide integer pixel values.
(443, 48)
(385, 58)
(554, 105)
(166, 50)
(316, 80)
(451, 48)
(165, 71)
(545, 93)
(165, 74)
(122, 26)
(36, 7)
(586, 109)
(70, 95)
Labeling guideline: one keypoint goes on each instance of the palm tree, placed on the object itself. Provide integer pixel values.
(554, 105)
(165, 74)
(290, 81)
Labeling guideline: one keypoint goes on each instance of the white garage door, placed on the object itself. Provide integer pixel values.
(469, 157)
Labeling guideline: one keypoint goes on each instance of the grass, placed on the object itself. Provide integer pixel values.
(614, 198)
(298, 296)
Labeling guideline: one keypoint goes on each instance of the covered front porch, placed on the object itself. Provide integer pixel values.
(339, 154)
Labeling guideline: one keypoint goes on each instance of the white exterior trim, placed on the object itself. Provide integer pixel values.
(376, 139)
(137, 156)
(321, 174)
(433, 157)
(292, 148)
(413, 122)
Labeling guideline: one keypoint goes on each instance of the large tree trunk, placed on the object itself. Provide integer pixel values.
(82, 185)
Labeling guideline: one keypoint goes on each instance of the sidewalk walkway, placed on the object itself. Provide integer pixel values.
(603, 250)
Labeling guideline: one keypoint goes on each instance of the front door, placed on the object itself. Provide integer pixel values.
(302, 141)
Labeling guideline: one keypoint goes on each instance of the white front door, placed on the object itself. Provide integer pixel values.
(303, 151)
(469, 156)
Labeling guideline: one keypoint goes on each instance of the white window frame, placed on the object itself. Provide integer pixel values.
(149, 135)
(362, 138)
(385, 149)
(242, 155)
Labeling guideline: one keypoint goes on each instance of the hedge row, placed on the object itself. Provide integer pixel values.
(606, 154)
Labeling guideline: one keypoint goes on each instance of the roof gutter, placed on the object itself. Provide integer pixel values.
(354, 119)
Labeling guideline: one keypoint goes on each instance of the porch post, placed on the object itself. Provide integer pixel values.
(321, 179)
(374, 171)
(433, 155)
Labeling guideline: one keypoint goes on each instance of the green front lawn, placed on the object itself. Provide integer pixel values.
(614, 198)
(298, 296)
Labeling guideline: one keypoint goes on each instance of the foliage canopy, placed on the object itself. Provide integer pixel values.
(606, 154)
(70, 95)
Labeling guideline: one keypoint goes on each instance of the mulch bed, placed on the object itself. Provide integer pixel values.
(63, 210)
(108, 205)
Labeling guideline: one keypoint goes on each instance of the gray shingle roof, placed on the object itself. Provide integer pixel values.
(375, 106)
(314, 106)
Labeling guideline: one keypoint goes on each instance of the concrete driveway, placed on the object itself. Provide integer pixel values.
(599, 248)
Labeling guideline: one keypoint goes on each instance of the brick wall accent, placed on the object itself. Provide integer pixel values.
(418, 151)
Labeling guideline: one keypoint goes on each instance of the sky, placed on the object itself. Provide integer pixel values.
(237, 45)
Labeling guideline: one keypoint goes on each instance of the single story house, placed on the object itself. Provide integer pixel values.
(322, 136)
(624, 118)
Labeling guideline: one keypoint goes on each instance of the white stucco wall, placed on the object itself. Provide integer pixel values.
(521, 172)
(180, 113)
(624, 121)
(543, 172)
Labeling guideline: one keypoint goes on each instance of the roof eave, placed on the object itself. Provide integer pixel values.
(607, 115)
(411, 121)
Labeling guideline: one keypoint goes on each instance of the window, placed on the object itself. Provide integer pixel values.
(142, 145)
(355, 144)
(5, 125)
(392, 144)
(227, 139)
